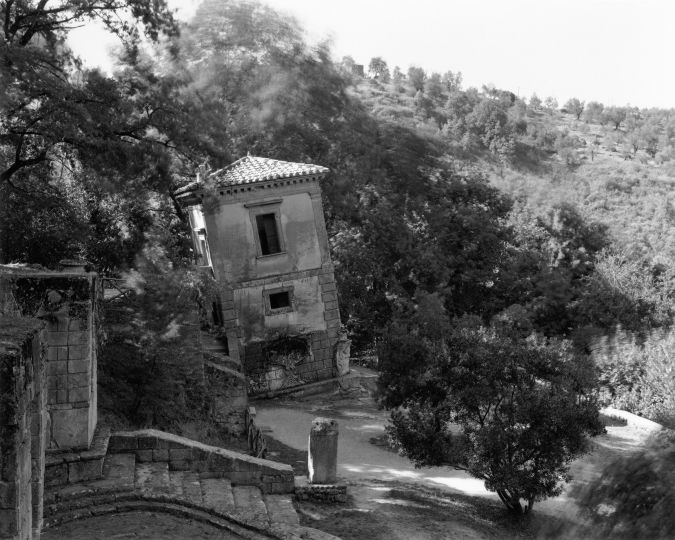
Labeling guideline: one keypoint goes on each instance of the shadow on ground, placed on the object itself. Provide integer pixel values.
(392, 510)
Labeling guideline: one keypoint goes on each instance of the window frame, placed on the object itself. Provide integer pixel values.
(202, 247)
(287, 309)
(256, 209)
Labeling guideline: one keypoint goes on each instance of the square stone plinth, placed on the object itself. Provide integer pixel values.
(70, 428)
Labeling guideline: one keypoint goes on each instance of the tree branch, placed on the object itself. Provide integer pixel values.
(8, 9)
(18, 165)
(30, 32)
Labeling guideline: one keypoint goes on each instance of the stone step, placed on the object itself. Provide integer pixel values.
(217, 494)
(249, 504)
(72, 467)
(280, 509)
(185, 485)
(233, 528)
(222, 359)
(212, 343)
(152, 476)
(120, 468)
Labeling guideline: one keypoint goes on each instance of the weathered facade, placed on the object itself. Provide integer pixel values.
(66, 302)
(259, 225)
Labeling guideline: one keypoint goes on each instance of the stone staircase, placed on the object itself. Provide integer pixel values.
(129, 485)
(215, 350)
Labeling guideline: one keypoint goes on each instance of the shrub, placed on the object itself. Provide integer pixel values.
(639, 375)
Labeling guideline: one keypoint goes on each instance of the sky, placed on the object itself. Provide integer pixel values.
(617, 52)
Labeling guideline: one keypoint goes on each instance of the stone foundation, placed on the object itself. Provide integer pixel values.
(318, 364)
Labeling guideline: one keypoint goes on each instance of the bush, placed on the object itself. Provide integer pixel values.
(639, 375)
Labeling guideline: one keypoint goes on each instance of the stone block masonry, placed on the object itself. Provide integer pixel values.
(150, 445)
(227, 391)
(67, 303)
(22, 427)
(320, 363)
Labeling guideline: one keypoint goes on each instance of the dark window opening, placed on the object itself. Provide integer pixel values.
(268, 234)
(217, 313)
(280, 300)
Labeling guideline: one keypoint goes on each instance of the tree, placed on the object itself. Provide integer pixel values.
(551, 103)
(433, 87)
(511, 411)
(650, 133)
(575, 106)
(60, 123)
(348, 63)
(48, 112)
(416, 77)
(593, 111)
(614, 116)
(398, 77)
(452, 81)
(378, 69)
(535, 102)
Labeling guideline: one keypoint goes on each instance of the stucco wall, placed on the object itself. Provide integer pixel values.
(307, 314)
(232, 239)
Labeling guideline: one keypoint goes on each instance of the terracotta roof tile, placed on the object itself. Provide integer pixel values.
(249, 170)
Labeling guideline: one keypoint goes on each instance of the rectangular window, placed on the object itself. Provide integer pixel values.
(268, 234)
(280, 300)
(203, 255)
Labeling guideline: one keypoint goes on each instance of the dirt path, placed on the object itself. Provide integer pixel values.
(359, 421)
(392, 499)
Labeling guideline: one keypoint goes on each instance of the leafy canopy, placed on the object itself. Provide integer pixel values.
(511, 411)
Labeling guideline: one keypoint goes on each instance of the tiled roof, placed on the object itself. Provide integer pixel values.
(249, 170)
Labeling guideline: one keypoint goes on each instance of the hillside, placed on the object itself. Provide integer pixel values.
(556, 157)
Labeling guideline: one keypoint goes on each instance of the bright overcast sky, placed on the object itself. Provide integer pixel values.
(613, 51)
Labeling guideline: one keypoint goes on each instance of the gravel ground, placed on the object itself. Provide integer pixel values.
(390, 499)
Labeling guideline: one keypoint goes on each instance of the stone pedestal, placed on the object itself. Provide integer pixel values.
(322, 451)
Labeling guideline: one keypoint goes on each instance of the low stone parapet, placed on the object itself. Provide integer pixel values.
(72, 467)
(186, 454)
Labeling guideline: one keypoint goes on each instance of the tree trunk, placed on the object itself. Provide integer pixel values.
(511, 501)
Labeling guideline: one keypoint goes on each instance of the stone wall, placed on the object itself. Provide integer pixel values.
(209, 461)
(67, 302)
(227, 395)
(22, 427)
